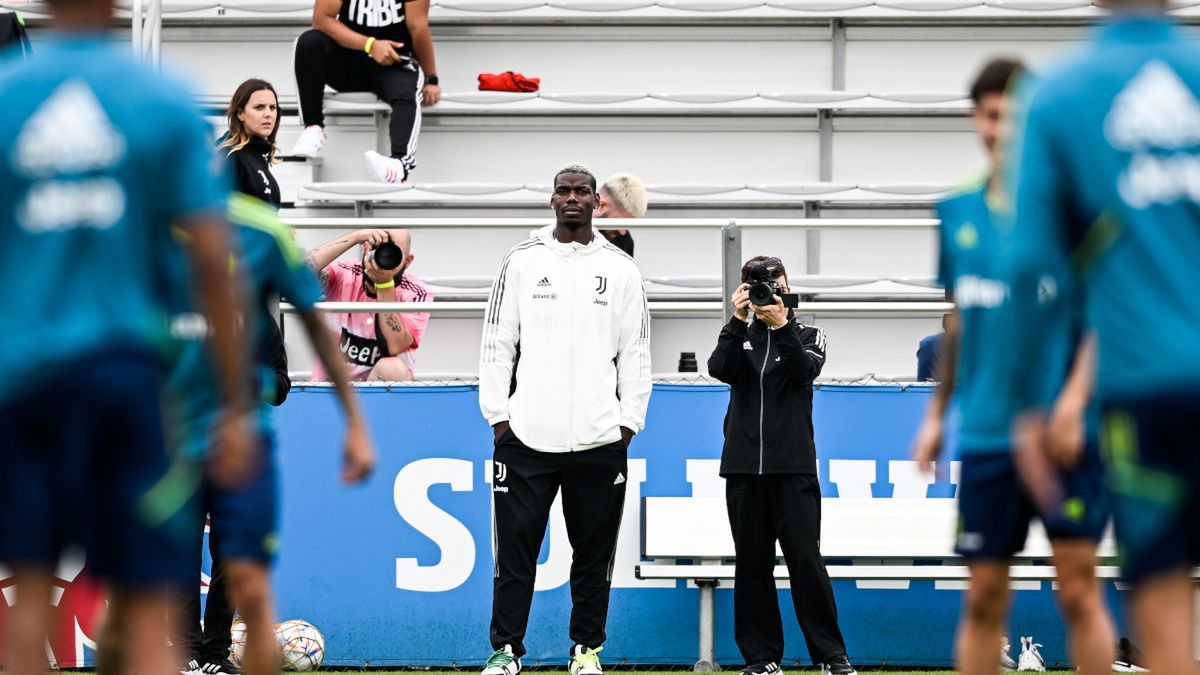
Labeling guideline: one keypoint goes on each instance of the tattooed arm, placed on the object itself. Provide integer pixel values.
(319, 257)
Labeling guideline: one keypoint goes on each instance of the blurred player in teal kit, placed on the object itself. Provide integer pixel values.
(98, 156)
(243, 517)
(994, 508)
(1108, 184)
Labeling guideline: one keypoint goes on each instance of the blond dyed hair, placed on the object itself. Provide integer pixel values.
(627, 192)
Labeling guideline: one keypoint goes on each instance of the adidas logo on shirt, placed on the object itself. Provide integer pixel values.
(1155, 110)
(620, 479)
(544, 283)
(71, 117)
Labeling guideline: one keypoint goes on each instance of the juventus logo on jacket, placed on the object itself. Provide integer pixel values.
(601, 285)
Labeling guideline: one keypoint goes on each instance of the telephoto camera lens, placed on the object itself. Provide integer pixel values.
(388, 256)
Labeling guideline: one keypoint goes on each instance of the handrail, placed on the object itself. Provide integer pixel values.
(614, 223)
(656, 308)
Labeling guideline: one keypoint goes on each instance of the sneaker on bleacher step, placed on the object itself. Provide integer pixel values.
(385, 169)
(310, 142)
(771, 668)
(1031, 658)
(502, 662)
(1129, 658)
(1006, 662)
(838, 665)
(191, 668)
(585, 661)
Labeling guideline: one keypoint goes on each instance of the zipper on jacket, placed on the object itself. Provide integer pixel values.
(571, 353)
(762, 403)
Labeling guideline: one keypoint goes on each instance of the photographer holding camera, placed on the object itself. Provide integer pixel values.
(769, 360)
(379, 346)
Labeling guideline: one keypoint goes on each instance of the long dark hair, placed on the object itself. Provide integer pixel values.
(238, 136)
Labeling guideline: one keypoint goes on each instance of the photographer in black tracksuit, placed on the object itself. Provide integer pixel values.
(769, 360)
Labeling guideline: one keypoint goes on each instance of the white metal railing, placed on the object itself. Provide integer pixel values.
(146, 19)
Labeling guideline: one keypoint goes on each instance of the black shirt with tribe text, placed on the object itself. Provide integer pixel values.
(381, 19)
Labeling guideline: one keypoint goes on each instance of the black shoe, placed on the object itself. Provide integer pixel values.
(771, 668)
(838, 665)
(191, 668)
(1129, 658)
(219, 667)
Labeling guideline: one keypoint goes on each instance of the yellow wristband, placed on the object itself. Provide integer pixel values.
(388, 284)
(370, 43)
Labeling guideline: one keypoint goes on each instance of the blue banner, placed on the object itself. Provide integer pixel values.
(400, 571)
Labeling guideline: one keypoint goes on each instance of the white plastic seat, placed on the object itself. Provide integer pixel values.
(468, 189)
(702, 97)
(921, 282)
(699, 282)
(693, 189)
(489, 97)
(820, 5)
(601, 5)
(593, 98)
(815, 97)
(929, 5)
(490, 5)
(352, 190)
(801, 189)
(826, 281)
(1039, 5)
(267, 6)
(915, 189)
(710, 5)
(920, 96)
(473, 283)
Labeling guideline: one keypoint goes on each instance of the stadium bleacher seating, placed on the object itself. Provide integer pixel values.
(729, 109)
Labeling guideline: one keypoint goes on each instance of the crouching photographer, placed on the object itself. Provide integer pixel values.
(769, 360)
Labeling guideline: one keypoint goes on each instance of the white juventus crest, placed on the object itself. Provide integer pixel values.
(501, 472)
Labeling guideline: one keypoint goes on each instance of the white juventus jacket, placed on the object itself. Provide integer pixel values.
(573, 321)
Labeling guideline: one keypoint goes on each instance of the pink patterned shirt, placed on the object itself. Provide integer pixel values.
(361, 343)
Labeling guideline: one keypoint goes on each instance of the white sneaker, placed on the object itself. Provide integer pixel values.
(502, 662)
(585, 661)
(384, 169)
(1030, 658)
(310, 142)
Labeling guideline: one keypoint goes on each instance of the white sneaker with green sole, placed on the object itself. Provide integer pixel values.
(585, 661)
(502, 662)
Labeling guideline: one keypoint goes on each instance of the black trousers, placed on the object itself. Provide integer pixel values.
(211, 642)
(593, 495)
(320, 61)
(787, 509)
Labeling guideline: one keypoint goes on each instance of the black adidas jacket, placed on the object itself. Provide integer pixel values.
(252, 172)
(770, 373)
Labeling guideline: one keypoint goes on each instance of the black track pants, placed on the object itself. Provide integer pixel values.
(787, 509)
(593, 495)
(212, 642)
(320, 61)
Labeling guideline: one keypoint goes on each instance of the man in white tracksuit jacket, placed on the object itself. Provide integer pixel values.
(564, 381)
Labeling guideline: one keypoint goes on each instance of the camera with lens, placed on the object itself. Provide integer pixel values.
(760, 275)
(388, 255)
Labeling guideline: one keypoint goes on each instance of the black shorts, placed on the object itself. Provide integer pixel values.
(1152, 453)
(994, 510)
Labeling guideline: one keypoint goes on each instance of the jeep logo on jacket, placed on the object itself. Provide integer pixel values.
(579, 316)
(770, 373)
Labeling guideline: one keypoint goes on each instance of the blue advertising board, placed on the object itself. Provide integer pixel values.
(399, 571)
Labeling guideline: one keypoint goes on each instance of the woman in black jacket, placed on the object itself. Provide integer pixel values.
(253, 115)
(769, 360)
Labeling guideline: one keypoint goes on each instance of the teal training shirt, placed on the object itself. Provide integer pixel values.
(274, 267)
(97, 156)
(1107, 182)
(975, 238)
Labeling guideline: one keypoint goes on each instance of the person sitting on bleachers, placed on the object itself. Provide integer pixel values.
(380, 46)
(249, 144)
(383, 345)
(623, 195)
(928, 352)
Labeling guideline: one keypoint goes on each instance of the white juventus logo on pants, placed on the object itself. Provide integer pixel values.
(501, 472)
